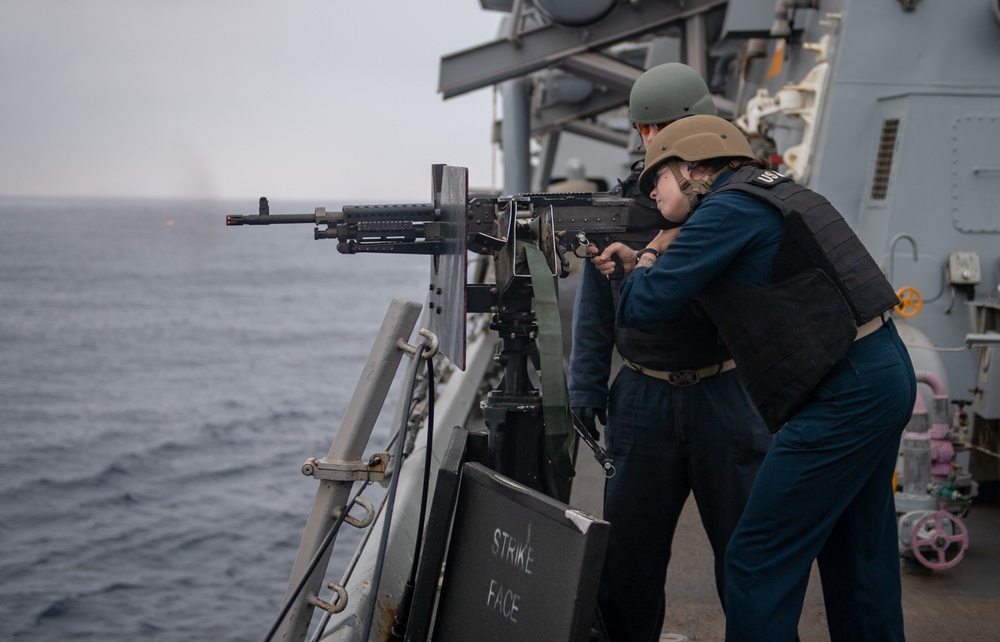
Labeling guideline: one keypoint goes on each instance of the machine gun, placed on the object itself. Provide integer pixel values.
(558, 224)
(578, 221)
(508, 228)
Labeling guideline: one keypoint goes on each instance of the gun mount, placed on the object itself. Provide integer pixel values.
(558, 224)
(508, 228)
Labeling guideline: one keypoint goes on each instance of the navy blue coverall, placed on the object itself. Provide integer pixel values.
(824, 491)
(667, 441)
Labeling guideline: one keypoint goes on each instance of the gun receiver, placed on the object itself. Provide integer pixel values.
(599, 219)
(579, 220)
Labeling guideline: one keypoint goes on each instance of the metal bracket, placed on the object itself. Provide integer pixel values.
(803, 100)
(335, 607)
(372, 471)
(431, 342)
(369, 513)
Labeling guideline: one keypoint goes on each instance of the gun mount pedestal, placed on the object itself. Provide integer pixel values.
(513, 410)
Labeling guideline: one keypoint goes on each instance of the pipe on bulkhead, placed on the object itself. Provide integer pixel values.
(892, 251)
(916, 448)
(515, 134)
(942, 450)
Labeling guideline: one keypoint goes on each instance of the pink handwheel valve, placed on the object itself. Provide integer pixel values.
(939, 540)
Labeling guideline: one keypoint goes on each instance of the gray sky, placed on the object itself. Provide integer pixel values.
(294, 99)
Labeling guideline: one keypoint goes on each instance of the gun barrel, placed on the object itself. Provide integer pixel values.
(270, 219)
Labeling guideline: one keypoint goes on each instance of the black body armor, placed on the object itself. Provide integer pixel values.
(688, 341)
(785, 337)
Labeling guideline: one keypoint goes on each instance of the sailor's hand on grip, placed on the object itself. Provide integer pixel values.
(615, 261)
(589, 418)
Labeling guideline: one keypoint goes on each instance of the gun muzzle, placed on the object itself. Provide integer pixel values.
(270, 219)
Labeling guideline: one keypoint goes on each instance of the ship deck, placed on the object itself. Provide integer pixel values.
(958, 604)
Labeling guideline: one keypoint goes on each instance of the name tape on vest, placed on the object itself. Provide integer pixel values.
(768, 179)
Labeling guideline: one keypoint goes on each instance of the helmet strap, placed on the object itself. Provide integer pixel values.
(696, 189)
(692, 188)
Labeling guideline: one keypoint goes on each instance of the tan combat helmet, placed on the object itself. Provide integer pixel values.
(693, 139)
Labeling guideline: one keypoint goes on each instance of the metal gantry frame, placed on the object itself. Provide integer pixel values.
(530, 43)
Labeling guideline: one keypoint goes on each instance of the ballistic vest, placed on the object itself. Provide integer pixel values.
(690, 340)
(786, 337)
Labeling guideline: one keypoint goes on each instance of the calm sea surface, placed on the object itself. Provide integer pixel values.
(162, 379)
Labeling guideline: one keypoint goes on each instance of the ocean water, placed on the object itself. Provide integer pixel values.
(162, 380)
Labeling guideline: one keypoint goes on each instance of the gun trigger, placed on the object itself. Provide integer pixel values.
(564, 266)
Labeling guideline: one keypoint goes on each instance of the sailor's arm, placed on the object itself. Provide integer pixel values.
(698, 252)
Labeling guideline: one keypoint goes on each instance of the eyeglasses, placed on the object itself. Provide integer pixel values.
(645, 128)
(663, 171)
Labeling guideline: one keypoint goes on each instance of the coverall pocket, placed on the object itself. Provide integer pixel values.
(870, 390)
(624, 399)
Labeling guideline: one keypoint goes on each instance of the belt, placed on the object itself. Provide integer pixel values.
(868, 327)
(683, 377)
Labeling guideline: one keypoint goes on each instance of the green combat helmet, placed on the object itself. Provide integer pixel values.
(669, 92)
